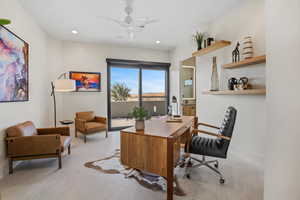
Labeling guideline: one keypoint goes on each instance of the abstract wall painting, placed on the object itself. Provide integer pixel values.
(14, 53)
(87, 81)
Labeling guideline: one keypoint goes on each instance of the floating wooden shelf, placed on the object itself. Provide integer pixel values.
(237, 92)
(217, 45)
(250, 61)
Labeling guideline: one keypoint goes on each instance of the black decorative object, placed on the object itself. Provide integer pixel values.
(231, 83)
(243, 81)
(236, 53)
(209, 41)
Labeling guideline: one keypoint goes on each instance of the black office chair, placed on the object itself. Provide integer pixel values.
(214, 147)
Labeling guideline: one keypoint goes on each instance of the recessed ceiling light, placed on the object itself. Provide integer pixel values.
(157, 42)
(75, 32)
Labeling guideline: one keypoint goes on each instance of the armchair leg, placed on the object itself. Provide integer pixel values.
(84, 138)
(75, 132)
(10, 163)
(106, 133)
(59, 160)
(69, 149)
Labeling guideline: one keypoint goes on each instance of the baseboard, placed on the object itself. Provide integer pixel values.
(254, 159)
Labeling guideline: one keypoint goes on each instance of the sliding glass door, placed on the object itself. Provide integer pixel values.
(154, 91)
(136, 83)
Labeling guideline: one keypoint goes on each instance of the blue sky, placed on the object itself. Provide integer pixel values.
(153, 80)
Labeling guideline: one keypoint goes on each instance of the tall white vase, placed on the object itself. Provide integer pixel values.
(214, 86)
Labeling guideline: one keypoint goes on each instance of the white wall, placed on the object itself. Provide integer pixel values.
(37, 108)
(250, 130)
(283, 100)
(92, 58)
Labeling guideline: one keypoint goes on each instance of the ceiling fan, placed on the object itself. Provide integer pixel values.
(130, 24)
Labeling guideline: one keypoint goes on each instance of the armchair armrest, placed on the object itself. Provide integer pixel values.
(100, 119)
(195, 131)
(208, 125)
(65, 131)
(80, 124)
(33, 145)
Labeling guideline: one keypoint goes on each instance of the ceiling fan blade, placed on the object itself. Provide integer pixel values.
(145, 21)
(120, 22)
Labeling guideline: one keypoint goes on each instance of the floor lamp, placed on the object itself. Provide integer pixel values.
(61, 84)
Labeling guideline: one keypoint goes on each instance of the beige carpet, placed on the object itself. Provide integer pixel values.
(40, 179)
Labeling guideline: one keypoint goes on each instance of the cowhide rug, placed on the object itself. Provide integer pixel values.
(112, 165)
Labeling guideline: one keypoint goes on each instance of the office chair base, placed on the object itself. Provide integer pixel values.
(203, 162)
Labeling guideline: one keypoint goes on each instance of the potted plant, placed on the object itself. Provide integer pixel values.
(4, 21)
(139, 114)
(198, 37)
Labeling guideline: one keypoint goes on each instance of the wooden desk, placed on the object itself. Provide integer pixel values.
(157, 148)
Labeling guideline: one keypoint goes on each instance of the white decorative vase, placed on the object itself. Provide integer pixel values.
(140, 125)
(214, 86)
(247, 48)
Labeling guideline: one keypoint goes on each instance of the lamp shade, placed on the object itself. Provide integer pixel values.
(65, 85)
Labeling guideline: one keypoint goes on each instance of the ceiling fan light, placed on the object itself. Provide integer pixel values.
(74, 32)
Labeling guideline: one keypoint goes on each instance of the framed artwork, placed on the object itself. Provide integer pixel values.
(87, 81)
(14, 53)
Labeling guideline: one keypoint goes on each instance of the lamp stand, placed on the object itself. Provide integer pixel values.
(54, 102)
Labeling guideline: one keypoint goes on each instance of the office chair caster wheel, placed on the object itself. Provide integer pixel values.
(222, 180)
(188, 176)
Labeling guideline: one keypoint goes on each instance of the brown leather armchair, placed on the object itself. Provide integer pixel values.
(87, 123)
(25, 142)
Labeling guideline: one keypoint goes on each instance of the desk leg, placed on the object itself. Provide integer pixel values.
(170, 168)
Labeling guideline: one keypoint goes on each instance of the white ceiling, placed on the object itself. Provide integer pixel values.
(178, 18)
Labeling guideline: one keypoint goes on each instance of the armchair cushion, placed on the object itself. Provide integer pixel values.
(22, 129)
(88, 116)
(100, 119)
(94, 126)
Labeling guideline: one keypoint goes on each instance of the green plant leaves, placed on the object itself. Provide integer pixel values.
(4, 21)
(139, 113)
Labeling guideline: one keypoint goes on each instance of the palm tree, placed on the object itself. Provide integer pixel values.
(120, 92)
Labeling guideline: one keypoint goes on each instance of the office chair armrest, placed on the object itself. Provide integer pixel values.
(212, 134)
(208, 125)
